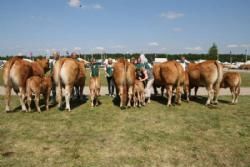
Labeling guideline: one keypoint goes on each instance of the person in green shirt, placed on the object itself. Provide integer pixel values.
(94, 69)
(109, 76)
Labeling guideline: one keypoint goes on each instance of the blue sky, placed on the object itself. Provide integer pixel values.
(86, 26)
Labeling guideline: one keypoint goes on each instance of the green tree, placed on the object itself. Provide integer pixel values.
(213, 52)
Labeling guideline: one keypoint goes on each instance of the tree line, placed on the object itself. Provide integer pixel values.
(211, 55)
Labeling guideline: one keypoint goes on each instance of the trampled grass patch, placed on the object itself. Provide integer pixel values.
(155, 135)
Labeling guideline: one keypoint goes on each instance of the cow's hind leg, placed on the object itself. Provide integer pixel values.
(46, 98)
(178, 95)
(210, 94)
(37, 98)
(21, 95)
(169, 94)
(7, 98)
(237, 94)
(216, 93)
(92, 97)
(97, 96)
(68, 91)
(29, 99)
(59, 96)
(130, 96)
(121, 95)
(233, 92)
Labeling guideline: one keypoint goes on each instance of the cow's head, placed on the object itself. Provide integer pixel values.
(44, 63)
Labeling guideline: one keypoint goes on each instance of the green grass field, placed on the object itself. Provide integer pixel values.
(245, 78)
(187, 135)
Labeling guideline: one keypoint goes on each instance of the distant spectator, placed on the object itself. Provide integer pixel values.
(94, 69)
(74, 55)
(109, 75)
(184, 63)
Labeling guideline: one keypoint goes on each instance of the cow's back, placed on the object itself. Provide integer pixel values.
(156, 73)
(130, 74)
(171, 73)
(19, 72)
(231, 79)
(66, 70)
(119, 73)
(205, 73)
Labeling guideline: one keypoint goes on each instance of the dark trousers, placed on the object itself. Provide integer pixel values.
(111, 86)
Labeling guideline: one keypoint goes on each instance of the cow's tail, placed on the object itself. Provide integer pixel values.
(57, 70)
(125, 83)
(57, 79)
(220, 73)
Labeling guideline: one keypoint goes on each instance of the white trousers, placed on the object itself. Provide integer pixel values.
(148, 88)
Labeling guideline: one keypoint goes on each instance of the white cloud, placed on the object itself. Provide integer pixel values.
(118, 47)
(77, 48)
(232, 46)
(153, 44)
(99, 48)
(97, 6)
(245, 45)
(74, 3)
(177, 29)
(238, 46)
(197, 48)
(172, 15)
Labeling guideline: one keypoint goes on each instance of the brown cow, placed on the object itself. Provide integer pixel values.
(80, 82)
(139, 98)
(208, 74)
(15, 74)
(232, 80)
(171, 75)
(124, 78)
(94, 89)
(157, 80)
(66, 71)
(186, 86)
(39, 85)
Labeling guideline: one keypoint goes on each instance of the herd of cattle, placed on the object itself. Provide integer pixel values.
(27, 78)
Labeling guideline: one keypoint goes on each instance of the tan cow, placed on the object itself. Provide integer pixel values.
(66, 71)
(208, 74)
(124, 78)
(232, 80)
(80, 82)
(171, 75)
(15, 74)
(39, 85)
(186, 86)
(94, 89)
(139, 97)
(157, 81)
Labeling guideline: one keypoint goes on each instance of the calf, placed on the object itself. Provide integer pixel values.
(94, 89)
(233, 81)
(139, 98)
(39, 85)
(80, 82)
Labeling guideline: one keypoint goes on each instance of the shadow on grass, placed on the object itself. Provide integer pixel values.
(160, 99)
(202, 101)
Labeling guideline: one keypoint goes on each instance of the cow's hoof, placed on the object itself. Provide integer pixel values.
(7, 111)
(60, 108)
(123, 107)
